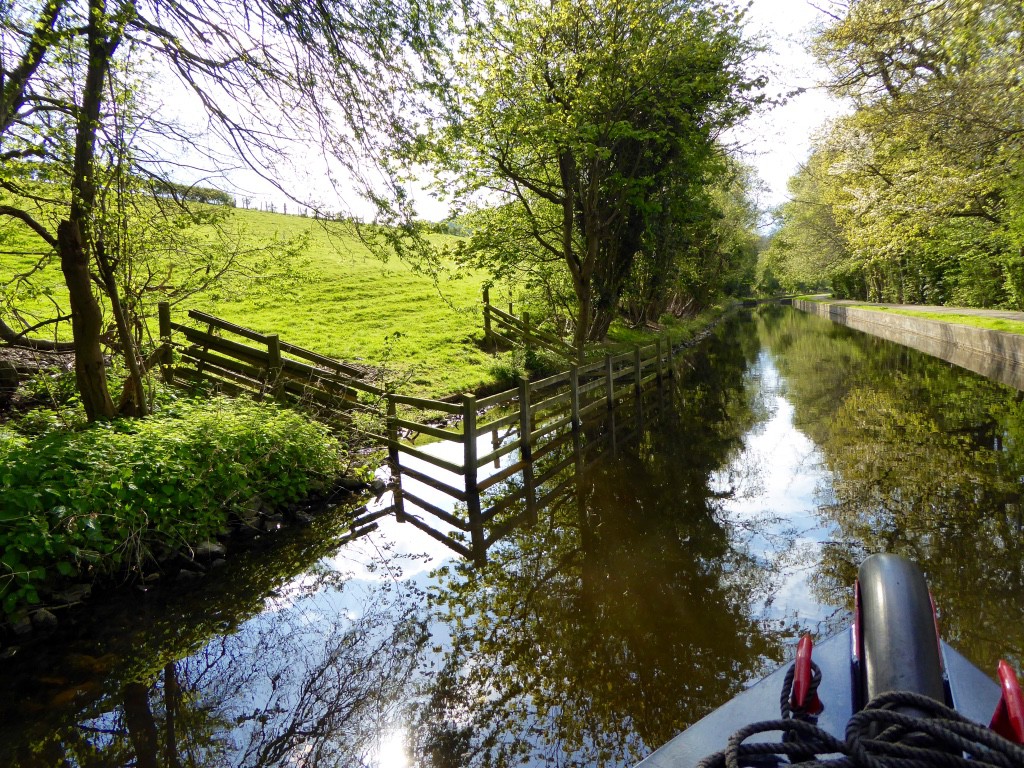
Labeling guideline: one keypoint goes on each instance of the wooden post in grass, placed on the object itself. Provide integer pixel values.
(657, 352)
(487, 314)
(526, 333)
(526, 449)
(166, 355)
(274, 365)
(476, 523)
(393, 458)
(671, 362)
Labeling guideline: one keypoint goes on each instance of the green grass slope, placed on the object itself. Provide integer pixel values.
(344, 302)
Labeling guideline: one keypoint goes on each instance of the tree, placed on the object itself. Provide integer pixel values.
(337, 69)
(585, 109)
(810, 248)
(700, 241)
(922, 180)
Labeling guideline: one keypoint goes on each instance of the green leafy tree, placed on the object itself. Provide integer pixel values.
(585, 110)
(334, 72)
(923, 179)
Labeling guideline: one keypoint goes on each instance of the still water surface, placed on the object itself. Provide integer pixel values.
(682, 567)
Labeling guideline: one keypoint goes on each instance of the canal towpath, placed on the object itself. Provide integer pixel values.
(995, 314)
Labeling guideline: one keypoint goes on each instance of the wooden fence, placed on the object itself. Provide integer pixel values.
(526, 426)
(240, 360)
(530, 427)
(520, 332)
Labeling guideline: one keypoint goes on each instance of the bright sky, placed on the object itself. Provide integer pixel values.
(774, 143)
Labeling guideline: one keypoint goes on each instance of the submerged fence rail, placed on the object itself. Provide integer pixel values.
(531, 422)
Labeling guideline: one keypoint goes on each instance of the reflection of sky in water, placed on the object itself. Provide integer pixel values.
(770, 488)
(417, 552)
(775, 483)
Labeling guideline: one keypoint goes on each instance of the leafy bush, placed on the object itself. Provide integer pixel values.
(100, 500)
(509, 367)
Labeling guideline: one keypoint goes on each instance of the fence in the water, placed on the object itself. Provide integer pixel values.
(526, 426)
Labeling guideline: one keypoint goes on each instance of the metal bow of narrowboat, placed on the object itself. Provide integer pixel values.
(889, 670)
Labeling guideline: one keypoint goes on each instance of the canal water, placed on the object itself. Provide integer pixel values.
(682, 566)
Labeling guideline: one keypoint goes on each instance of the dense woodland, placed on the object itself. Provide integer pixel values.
(917, 196)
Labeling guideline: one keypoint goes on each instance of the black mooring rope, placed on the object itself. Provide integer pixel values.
(787, 692)
(878, 737)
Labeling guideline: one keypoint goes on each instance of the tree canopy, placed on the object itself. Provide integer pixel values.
(583, 122)
(916, 196)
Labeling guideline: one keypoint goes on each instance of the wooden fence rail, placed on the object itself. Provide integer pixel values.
(529, 427)
(521, 332)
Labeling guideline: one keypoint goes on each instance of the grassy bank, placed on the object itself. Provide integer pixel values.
(84, 503)
(976, 321)
(90, 503)
(1003, 324)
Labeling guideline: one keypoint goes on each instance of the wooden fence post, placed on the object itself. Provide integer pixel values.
(476, 523)
(637, 370)
(393, 458)
(526, 449)
(671, 362)
(166, 354)
(202, 363)
(274, 365)
(657, 352)
(526, 332)
(609, 379)
(487, 314)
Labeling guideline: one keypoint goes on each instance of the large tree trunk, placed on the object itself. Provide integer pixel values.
(86, 324)
(73, 236)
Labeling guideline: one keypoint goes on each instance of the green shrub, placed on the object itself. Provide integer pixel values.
(100, 500)
(509, 367)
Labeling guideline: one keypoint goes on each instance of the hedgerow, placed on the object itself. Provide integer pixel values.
(101, 500)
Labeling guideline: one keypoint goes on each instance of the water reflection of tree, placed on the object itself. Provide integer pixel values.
(302, 686)
(303, 682)
(928, 461)
(615, 621)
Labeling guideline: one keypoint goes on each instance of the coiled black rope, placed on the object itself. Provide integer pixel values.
(799, 711)
(877, 737)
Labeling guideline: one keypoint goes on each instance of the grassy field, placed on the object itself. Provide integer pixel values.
(345, 303)
(351, 305)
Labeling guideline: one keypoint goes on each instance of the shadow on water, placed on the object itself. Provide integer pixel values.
(693, 535)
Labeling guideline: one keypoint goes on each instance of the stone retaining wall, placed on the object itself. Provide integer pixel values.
(995, 354)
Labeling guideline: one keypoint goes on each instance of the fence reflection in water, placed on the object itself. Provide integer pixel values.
(517, 451)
